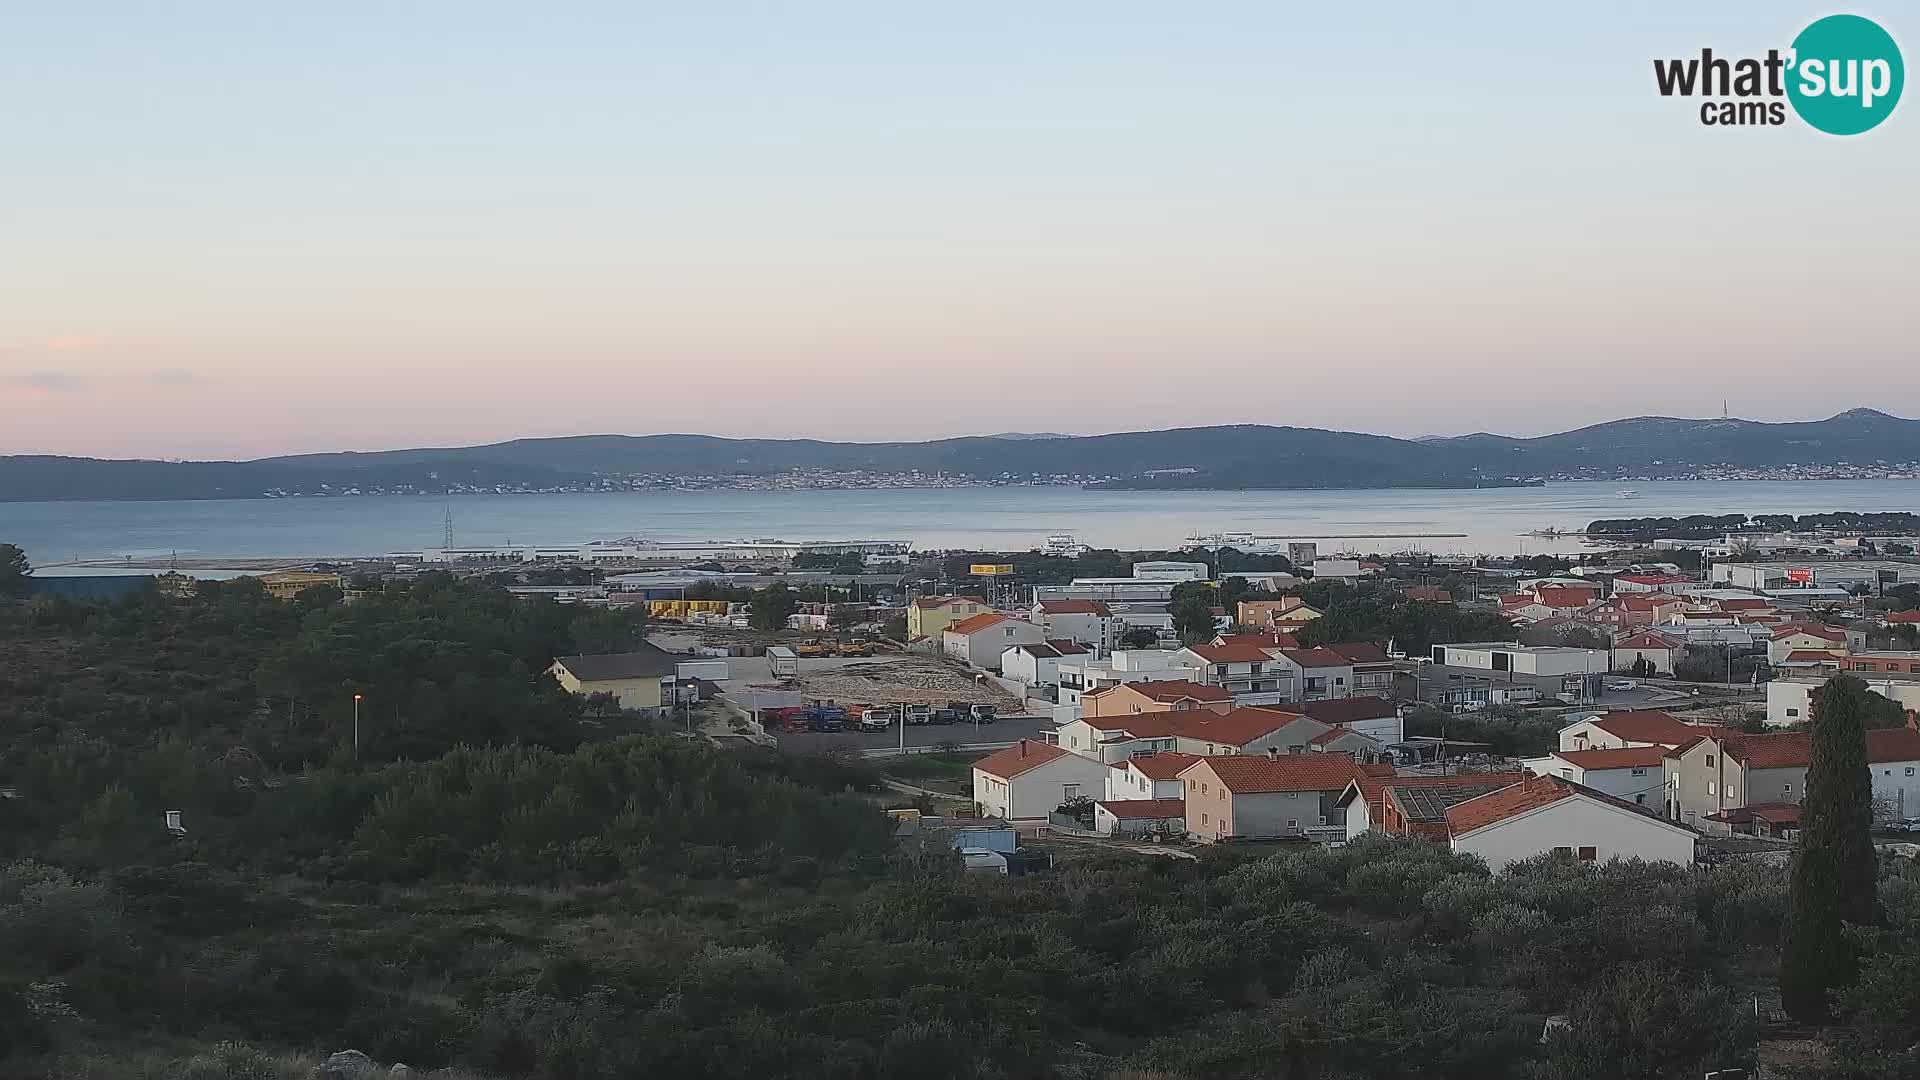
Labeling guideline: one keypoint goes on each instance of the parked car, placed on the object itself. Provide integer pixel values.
(1618, 685)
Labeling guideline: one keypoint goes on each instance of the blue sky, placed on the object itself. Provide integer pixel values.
(239, 229)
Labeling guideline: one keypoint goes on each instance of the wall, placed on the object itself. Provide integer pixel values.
(1107, 825)
(1578, 822)
(1267, 814)
(1035, 793)
(630, 693)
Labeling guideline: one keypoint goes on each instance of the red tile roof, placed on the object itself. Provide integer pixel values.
(1345, 710)
(1566, 597)
(976, 623)
(1162, 765)
(1373, 788)
(1231, 654)
(1648, 726)
(1893, 744)
(1359, 652)
(1169, 690)
(1271, 640)
(1074, 607)
(1633, 757)
(1741, 604)
(1514, 800)
(1903, 616)
(1432, 594)
(1255, 774)
(1145, 809)
(1647, 639)
(1315, 658)
(1237, 727)
(943, 601)
(1023, 756)
(1813, 655)
(1653, 579)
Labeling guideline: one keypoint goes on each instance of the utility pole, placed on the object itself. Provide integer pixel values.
(356, 727)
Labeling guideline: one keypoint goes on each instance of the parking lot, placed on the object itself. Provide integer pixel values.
(1005, 730)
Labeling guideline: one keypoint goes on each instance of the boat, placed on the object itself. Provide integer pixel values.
(1244, 542)
(1064, 546)
(1627, 493)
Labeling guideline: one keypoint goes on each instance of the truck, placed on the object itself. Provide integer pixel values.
(859, 647)
(967, 711)
(827, 717)
(919, 714)
(782, 662)
(877, 719)
(815, 648)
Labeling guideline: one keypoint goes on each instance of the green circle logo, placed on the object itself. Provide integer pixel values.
(1846, 74)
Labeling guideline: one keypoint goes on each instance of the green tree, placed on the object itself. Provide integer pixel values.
(1193, 603)
(1139, 637)
(14, 569)
(1834, 868)
(772, 606)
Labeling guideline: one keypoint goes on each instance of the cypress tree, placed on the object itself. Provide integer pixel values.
(1834, 871)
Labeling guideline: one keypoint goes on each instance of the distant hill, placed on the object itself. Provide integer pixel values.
(1244, 456)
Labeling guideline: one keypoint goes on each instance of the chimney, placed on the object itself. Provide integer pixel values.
(1273, 751)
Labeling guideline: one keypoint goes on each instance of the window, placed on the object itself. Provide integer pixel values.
(1323, 819)
(1204, 820)
(1710, 790)
(1786, 789)
(1639, 772)
(1709, 761)
(1069, 791)
(1588, 854)
(1223, 794)
(1909, 770)
(1293, 823)
(1205, 790)
(1640, 799)
(1563, 851)
(1793, 712)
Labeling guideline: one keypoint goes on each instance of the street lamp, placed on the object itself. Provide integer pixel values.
(356, 727)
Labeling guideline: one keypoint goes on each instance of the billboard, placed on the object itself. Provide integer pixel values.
(1800, 576)
(982, 569)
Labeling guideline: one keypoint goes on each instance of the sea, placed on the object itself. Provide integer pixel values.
(1495, 521)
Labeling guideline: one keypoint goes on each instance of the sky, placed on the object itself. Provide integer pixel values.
(242, 229)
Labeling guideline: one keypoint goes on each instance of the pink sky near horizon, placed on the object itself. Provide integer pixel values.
(873, 224)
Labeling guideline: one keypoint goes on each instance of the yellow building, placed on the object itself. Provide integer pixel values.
(287, 584)
(929, 616)
(635, 680)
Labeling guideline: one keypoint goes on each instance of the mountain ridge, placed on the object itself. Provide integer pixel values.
(1233, 456)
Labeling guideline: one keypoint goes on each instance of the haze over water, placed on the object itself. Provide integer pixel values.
(1493, 521)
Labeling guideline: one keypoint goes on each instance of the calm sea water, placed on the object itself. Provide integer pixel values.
(1010, 519)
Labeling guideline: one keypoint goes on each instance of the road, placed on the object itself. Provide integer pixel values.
(1007, 729)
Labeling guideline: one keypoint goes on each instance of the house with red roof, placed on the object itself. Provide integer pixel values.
(1545, 814)
(1375, 717)
(1140, 817)
(1029, 780)
(1373, 669)
(1149, 775)
(928, 616)
(1254, 674)
(1626, 612)
(1728, 770)
(1636, 774)
(1648, 652)
(1160, 695)
(1412, 805)
(1648, 583)
(1089, 622)
(979, 641)
(1427, 594)
(1628, 727)
(1260, 795)
(1039, 664)
(1901, 618)
(1248, 731)
(1790, 638)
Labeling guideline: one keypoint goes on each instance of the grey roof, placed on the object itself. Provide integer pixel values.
(648, 663)
(1430, 803)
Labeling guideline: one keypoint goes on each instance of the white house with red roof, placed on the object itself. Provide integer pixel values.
(1088, 622)
(1636, 774)
(1148, 776)
(1253, 674)
(1648, 583)
(1650, 647)
(1627, 728)
(1790, 638)
(1039, 664)
(1029, 780)
(1545, 814)
(979, 641)
(1267, 796)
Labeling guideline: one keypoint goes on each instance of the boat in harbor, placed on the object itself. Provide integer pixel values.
(1243, 542)
(1627, 493)
(1063, 546)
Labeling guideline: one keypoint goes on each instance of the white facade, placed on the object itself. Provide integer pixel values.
(1126, 782)
(1642, 785)
(1024, 667)
(1790, 699)
(1336, 569)
(1097, 632)
(1522, 659)
(1167, 570)
(1036, 792)
(1080, 676)
(982, 648)
(1578, 823)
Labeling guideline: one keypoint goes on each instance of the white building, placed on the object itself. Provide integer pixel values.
(1029, 780)
(1083, 676)
(1089, 622)
(1336, 569)
(1634, 774)
(1038, 665)
(1790, 697)
(1147, 776)
(1631, 728)
(1552, 814)
(981, 640)
(1168, 570)
(1522, 659)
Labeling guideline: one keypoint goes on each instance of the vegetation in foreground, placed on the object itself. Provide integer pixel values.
(577, 901)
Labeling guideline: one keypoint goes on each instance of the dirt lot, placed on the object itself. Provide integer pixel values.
(913, 679)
